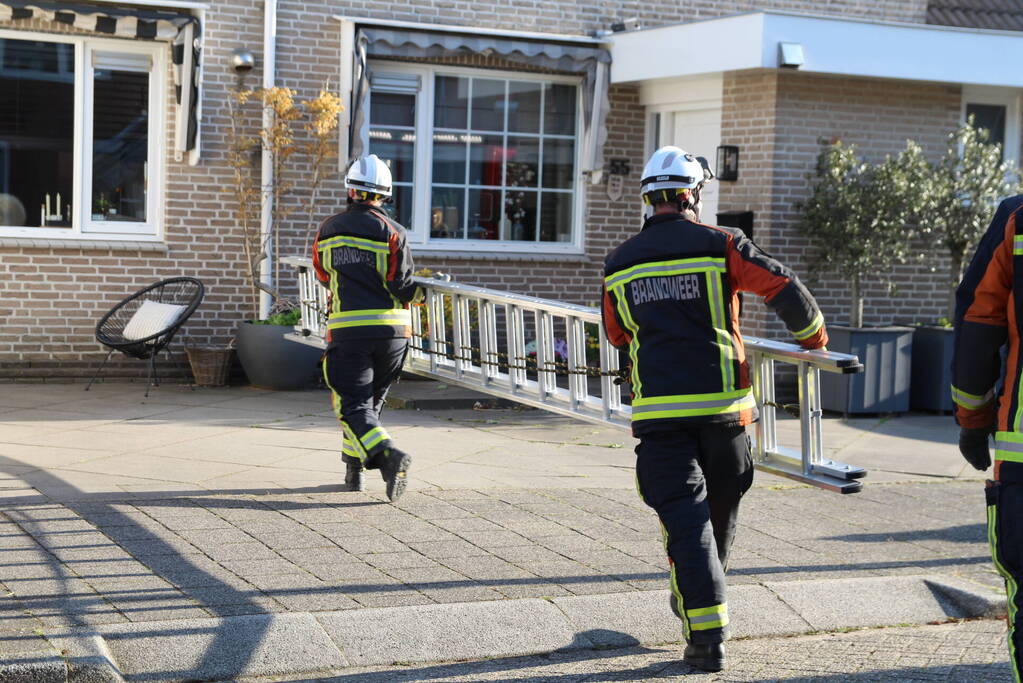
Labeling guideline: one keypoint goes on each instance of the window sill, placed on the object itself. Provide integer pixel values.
(458, 255)
(75, 243)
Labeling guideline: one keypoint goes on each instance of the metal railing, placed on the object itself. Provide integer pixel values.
(477, 338)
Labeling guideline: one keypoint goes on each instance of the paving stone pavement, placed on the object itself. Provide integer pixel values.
(967, 652)
(217, 503)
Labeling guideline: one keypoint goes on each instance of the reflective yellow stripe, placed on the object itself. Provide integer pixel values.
(811, 329)
(349, 444)
(706, 618)
(379, 316)
(971, 401)
(657, 407)
(630, 324)
(718, 313)
(659, 268)
(357, 242)
(1017, 245)
(1011, 586)
(373, 437)
(1009, 446)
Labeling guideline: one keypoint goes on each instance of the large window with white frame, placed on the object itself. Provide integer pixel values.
(482, 160)
(80, 131)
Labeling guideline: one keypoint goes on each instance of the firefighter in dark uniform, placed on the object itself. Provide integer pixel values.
(670, 299)
(988, 321)
(362, 257)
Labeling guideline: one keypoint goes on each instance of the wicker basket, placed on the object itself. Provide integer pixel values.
(210, 364)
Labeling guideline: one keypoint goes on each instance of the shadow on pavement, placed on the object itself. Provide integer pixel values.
(964, 533)
(75, 604)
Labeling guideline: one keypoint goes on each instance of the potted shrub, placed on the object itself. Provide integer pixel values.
(857, 215)
(268, 358)
(962, 192)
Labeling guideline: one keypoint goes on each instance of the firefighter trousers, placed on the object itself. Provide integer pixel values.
(694, 478)
(1005, 536)
(358, 373)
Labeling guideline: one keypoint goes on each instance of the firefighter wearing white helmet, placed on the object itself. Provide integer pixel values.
(670, 300)
(673, 177)
(361, 255)
(369, 179)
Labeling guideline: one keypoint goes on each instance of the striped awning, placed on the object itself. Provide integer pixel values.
(182, 31)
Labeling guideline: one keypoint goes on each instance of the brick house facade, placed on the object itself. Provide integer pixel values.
(54, 289)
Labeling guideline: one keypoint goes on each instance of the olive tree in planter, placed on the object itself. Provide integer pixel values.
(268, 358)
(857, 216)
(962, 192)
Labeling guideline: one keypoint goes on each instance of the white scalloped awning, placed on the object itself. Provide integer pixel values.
(590, 61)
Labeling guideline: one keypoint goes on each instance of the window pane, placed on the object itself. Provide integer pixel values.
(523, 161)
(401, 208)
(37, 128)
(484, 214)
(449, 152)
(524, 107)
(487, 104)
(556, 217)
(397, 149)
(446, 212)
(392, 109)
(559, 109)
(558, 163)
(451, 102)
(990, 117)
(520, 216)
(486, 156)
(120, 145)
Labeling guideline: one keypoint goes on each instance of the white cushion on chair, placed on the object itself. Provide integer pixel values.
(150, 319)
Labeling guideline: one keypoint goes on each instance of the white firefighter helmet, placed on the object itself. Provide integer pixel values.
(369, 174)
(671, 170)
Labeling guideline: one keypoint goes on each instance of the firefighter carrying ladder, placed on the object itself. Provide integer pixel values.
(476, 338)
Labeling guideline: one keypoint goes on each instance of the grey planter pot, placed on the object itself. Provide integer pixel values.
(883, 386)
(273, 362)
(932, 368)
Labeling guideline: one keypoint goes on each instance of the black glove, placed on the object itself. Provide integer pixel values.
(973, 444)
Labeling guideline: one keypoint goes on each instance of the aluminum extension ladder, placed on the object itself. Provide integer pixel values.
(477, 338)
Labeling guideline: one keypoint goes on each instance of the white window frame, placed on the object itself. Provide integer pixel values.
(1006, 97)
(419, 232)
(83, 227)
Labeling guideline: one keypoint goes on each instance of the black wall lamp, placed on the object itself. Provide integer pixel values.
(728, 162)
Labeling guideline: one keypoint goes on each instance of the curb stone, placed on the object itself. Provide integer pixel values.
(219, 649)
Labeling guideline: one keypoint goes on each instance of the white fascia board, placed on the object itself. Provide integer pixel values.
(727, 44)
(901, 51)
(843, 47)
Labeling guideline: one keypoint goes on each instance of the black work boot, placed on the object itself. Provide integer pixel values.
(354, 478)
(394, 470)
(708, 656)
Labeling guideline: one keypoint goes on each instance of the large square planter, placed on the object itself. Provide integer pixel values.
(932, 368)
(883, 386)
(273, 362)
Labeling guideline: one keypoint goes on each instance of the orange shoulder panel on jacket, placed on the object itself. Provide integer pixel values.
(990, 299)
(615, 334)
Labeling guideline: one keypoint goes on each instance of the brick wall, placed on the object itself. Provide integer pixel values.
(876, 115)
(51, 297)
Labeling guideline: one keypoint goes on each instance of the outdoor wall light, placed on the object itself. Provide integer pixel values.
(728, 162)
(242, 61)
(790, 55)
